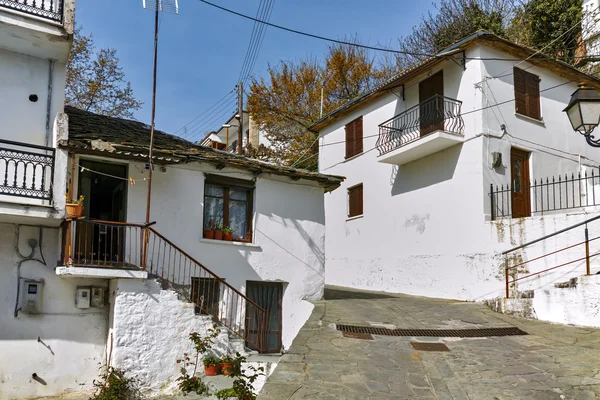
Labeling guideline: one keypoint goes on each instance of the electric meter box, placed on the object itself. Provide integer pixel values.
(82, 299)
(97, 297)
(31, 303)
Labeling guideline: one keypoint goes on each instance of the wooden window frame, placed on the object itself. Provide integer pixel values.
(351, 191)
(528, 102)
(227, 184)
(354, 137)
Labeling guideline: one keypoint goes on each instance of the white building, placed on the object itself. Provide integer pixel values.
(429, 158)
(80, 293)
(226, 137)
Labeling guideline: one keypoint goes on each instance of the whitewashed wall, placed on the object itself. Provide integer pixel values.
(425, 230)
(288, 226)
(73, 339)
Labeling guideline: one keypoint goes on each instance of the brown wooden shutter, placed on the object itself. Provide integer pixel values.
(532, 85)
(355, 201)
(358, 136)
(520, 91)
(349, 140)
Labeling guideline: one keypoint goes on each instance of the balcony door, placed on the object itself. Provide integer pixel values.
(104, 186)
(431, 109)
(519, 169)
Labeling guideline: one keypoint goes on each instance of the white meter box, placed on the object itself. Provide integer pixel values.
(82, 299)
(31, 302)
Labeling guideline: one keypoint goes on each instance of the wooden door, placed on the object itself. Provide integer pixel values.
(519, 169)
(431, 110)
(267, 295)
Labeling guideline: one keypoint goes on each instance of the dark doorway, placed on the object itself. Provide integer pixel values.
(267, 295)
(519, 168)
(206, 295)
(104, 186)
(431, 104)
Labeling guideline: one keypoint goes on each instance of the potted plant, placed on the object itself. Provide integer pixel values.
(218, 231)
(227, 365)
(227, 233)
(209, 232)
(74, 207)
(211, 366)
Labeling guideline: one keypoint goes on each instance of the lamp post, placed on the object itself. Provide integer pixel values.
(584, 113)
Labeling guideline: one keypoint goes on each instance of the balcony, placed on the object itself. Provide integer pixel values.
(48, 9)
(26, 170)
(424, 129)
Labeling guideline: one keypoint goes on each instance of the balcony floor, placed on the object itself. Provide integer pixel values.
(422, 147)
(100, 273)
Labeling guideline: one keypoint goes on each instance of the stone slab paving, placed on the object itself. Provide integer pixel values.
(552, 362)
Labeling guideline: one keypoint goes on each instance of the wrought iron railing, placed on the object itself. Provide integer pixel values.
(551, 194)
(435, 113)
(48, 9)
(26, 170)
(106, 244)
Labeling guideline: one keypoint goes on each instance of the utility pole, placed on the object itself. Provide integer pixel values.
(153, 113)
(241, 114)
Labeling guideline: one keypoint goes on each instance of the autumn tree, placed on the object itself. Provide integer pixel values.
(287, 103)
(96, 82)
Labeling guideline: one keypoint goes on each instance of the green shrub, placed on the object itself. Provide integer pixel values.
(114, 385)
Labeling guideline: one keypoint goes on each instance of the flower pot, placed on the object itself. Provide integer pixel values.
(74, 210)
(209, 234)
(211, 370)
(228, 236)
(218, 235)
(226, 368)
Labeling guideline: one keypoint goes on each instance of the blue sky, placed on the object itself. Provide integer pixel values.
(201, 50)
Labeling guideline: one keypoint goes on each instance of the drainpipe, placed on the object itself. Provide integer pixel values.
(49, 102)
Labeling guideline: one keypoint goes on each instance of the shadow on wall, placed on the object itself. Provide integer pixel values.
(427, 171)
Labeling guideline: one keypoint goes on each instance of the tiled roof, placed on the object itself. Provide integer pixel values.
(91, 133)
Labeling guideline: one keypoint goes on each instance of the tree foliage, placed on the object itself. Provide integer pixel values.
(96, 82)
(452, 21)
(553, 26)
(287, 103)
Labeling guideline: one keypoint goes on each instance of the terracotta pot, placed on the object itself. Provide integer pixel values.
(218, 235)
(74, 210)
(228, 236)
(226, 369)
(209, 234)
(211, 370)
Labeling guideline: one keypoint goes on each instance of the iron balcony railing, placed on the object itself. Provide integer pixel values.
(109, 244)
(551, 194)
(433, 114)
(48, 9)
(26, 170)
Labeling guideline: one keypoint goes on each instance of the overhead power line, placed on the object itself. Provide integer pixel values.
(263, 13)
(198, 119)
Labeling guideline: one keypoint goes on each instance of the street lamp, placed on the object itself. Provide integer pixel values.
(584, 113)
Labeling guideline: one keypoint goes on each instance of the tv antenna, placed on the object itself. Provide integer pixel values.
(158, 6)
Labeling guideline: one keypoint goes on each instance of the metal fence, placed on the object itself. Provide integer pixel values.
(549, 194)
(26, 170)
(435, 113)
(48, 9)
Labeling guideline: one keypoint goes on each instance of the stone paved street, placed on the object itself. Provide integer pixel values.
(552, 362)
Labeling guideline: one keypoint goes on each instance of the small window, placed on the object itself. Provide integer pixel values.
(527, 94)
(354, 137)
(355, 201)
(206, 294)
(228, 203)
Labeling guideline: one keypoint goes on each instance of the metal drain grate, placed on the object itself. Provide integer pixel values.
(429, 346)
(463, 333)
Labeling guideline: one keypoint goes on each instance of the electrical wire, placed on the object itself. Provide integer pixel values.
(205, 111)
(256, 39)
(200, 124)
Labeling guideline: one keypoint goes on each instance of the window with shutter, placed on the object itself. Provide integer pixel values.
(527, 94)
(354, 138)
(355, 201)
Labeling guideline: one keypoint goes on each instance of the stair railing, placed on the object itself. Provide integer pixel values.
(107, 244)
(585, 255)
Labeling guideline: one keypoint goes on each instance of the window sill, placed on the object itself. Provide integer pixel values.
(530, 119)
(229, 243)
(355, 217)
(354, 156)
